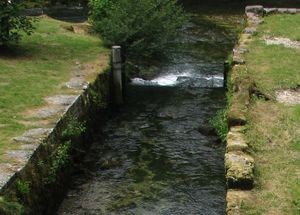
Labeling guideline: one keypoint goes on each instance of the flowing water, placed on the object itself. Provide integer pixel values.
(157, 154)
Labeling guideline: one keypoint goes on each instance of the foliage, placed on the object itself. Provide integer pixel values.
(62, 157)
(144, 28)
(23, 187)
(219, 122)
(59, 160)
(10, 208)
(12, 23)
(73, 129)
(99, 9)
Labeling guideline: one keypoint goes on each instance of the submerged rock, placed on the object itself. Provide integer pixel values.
(207, 130)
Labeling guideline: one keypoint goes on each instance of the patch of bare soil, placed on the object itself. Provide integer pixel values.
(289, 97)
(286, 42)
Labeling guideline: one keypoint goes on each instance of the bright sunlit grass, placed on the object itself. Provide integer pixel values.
(37, 67)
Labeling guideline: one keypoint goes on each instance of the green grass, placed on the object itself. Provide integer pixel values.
(273, 128)
(283, 26)
(274, 66)
(38, 67)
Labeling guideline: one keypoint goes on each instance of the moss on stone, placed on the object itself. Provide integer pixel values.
(236, 141)
(239, 170)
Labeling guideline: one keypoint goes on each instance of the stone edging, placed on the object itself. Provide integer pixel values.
(239, 163)
(43, 145)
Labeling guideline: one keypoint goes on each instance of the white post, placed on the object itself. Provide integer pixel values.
(117, 75)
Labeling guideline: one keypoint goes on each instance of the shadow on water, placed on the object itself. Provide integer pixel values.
(150, 158)
(153, 159)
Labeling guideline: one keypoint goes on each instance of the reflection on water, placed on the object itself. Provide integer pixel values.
(153, 156)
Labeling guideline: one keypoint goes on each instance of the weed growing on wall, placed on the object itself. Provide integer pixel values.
(60, 160)
(23, 187)
(62, 157)
(220, 124)
(74, 129)
(10, 208)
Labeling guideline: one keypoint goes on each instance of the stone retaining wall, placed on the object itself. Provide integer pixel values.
(238, 162)
(33, 183)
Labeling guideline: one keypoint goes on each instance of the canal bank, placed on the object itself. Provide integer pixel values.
(42, 79)
(262, 115)
(157, 153)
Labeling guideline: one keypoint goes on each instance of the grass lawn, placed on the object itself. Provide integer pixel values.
(273, 128)
(38, 67)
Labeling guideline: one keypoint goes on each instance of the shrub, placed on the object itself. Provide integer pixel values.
(144, 28)
(74, 129)
(220, 124)
(60, 159)
(23, 187)
(12, 23)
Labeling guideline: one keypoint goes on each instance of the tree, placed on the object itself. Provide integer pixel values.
(12, 22)
(144, 28)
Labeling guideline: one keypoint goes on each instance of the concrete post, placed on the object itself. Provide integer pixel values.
(117, 75)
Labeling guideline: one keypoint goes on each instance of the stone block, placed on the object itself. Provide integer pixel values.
(282, 10)
(238, 59)
(235, 141)
(292, 11)
(234, 199)
(250, 30)
(239, 170)
(256, 9)
(236, 117)
(239, 50)
(270, 10)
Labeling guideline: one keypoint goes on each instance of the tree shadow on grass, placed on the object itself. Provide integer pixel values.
(14, 51)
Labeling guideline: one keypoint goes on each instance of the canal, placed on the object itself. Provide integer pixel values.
(157, 155)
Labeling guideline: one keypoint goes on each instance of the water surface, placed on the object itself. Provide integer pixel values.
(156, 154)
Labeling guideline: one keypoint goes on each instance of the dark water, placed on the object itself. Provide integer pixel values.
(156, 158)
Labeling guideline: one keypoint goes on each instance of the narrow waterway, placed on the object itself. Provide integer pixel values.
(156, 155)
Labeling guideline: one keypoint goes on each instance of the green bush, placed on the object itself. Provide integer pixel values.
(12, 23)
(60, 160)
(220, 124)
(144, 28)
(73, 129)
(23, 187)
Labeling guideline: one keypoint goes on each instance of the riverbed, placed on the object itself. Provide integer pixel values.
(157, 154)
